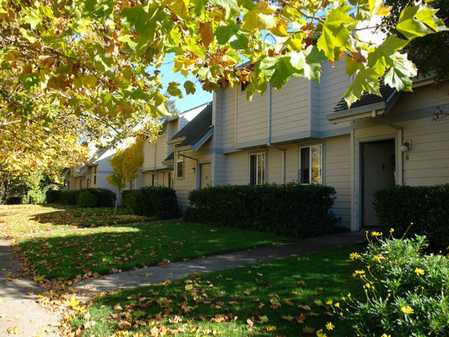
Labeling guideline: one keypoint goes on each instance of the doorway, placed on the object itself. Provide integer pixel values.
(378, 165)
(205, 171)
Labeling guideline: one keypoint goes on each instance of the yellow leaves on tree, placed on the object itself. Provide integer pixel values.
(126, 164)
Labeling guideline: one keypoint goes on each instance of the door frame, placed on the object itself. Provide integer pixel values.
(357, 176)
(200, 173)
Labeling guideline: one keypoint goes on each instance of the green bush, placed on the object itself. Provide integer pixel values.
(87, 199)
(407, 292)
(134, 201)
(160, 202)
(293, 209)
(104, 197)
(422, 210)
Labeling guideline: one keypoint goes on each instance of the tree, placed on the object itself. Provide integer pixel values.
(429, 53)
(90, 60)
(126, 164)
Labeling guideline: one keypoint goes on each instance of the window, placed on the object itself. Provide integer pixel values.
(180, 168)
(310, 164)
(257, 168)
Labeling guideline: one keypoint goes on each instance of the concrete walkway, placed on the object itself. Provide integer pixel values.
(20, 314)
(178, 270)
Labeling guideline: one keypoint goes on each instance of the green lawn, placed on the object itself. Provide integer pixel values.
(67, 242)
(282, 298)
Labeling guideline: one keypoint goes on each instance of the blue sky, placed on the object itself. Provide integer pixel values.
(188, 101)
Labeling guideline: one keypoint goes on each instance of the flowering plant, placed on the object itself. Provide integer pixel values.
(406, 293)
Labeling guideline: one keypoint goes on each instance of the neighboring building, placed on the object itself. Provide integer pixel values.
(92, 174)
(159, 155)
(192, 154)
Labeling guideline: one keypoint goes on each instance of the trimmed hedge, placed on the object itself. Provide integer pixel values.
(101, 197)
(87, 199)
(293, 209)
(152, 201)
(420, 210)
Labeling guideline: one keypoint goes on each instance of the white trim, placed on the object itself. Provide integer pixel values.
(265, 169)
(321, 147)
(356, 202)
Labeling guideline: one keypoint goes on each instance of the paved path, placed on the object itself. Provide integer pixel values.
(20, 314)
(173, 271)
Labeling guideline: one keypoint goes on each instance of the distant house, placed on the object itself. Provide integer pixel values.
(93, 174)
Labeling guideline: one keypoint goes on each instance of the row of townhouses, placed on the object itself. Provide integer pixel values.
(303, 133)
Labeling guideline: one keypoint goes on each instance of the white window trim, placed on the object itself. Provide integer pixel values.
(310, 163)
(265, 172)
(180, 159)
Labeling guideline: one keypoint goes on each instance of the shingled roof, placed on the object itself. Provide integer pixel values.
(196, 129)
(387, 93)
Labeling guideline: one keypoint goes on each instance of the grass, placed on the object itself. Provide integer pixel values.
(281, 298)
(63, 243)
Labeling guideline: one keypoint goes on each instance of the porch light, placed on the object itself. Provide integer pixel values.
(405, 147)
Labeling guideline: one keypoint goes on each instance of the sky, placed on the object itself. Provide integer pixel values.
(188, 101)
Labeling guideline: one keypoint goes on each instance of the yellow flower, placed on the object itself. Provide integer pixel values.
(329, 302)
(385, 335)
(354, 256)
(358, 273)
(320, 333)
(330, 326)
(376, 234)
(391, 232)
(419, 271)
(367, 285)
(378, 258)
(408, 310)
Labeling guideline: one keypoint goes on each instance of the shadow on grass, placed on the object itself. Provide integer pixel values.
(87, 217)
(273, 296)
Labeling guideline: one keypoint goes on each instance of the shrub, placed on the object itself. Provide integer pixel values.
(104, 197)
(152, 201)
(134, 201)
(407, 292)
(293, 209)
(52, 196)
(87, 199)
(419, 210)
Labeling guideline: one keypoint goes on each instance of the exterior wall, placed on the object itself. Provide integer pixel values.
(161, 178)
(191, 180)
(336, 169)
(326, 95)
(411, 121)
(155, 153)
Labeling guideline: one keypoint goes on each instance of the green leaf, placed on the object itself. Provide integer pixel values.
(173, 89)
(189, 87)
(335, 36)
(229, 6)
(224, 33)
(283, 70)
(409, 26)
(401, 73)
(391, 45)
(308, 63)
(261, 17)
(241, 41)
(366, 81)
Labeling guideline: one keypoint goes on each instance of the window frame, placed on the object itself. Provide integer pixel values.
(181, 160)
(265, 168)
(321, 147)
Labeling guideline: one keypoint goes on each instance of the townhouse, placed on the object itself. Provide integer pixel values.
(305, 133)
